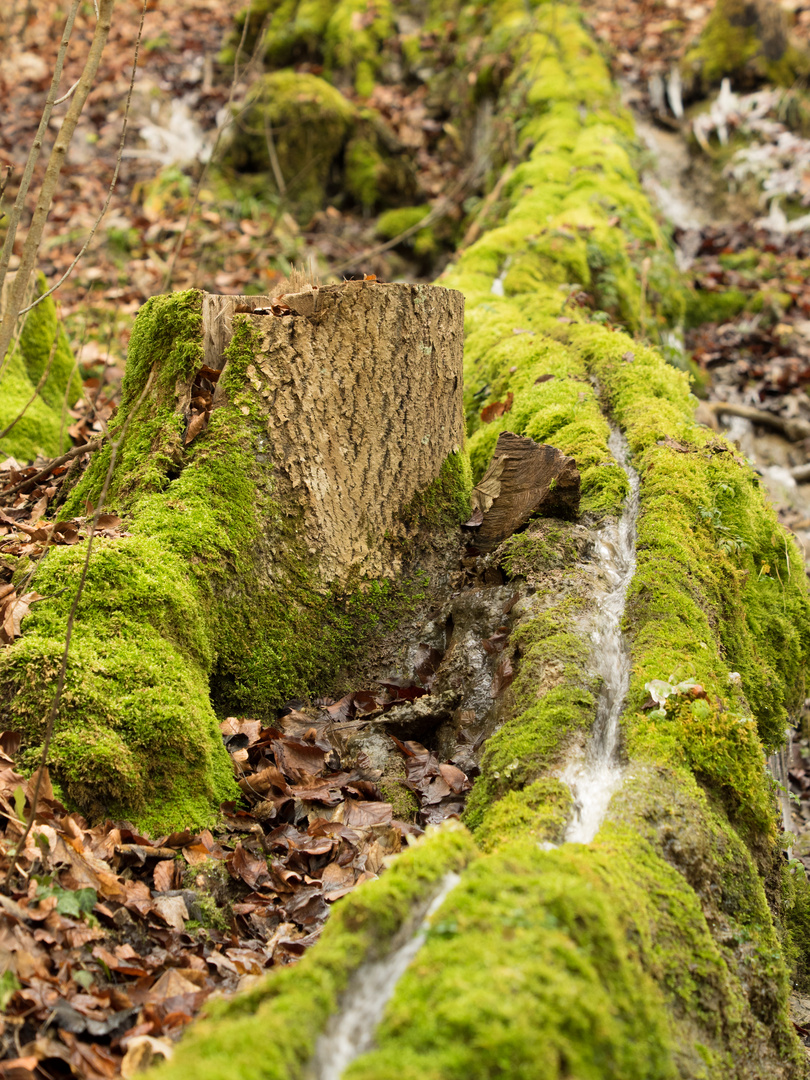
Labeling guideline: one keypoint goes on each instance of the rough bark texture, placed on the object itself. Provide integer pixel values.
(523, 479)
(362, 401)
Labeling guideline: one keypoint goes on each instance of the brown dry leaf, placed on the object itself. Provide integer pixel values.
(360, 815)
(108, 521)
(497, 408)
(251, 870)
(172, 984)
(143, 1051)
(196, 424)
(504, 674)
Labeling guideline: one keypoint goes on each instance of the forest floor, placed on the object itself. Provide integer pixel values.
(111, 941)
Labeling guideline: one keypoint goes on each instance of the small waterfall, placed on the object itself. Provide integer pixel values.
(351, 1032)
(595, 776)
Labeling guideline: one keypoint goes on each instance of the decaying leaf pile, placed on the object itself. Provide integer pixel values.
(111, 941)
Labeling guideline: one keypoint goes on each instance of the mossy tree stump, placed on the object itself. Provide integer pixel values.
(262, 480)
(358, 393)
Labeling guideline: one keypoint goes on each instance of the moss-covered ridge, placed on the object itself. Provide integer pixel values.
(651, 952)
(43, 429)
(271, 1031)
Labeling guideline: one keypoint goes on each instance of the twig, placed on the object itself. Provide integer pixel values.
(475, 227)
(117, 169)
(51, 178)
(795, 430)
(33, 154)
(51, 722)
(76, 451)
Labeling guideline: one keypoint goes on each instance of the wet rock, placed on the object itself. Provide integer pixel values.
(419, 719)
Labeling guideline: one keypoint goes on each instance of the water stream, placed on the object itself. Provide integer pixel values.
(351, 1031)
(596, 774)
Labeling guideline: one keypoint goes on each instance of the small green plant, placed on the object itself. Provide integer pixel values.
(728, 542)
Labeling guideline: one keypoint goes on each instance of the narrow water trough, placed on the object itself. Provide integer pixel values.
(597, 773)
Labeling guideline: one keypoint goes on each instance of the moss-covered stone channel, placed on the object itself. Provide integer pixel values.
(666, 946)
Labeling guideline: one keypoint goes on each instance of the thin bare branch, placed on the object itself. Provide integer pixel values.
(36, 147)
(116, 171)
(64, 97)
(74, 452)
(51, 179)
(223, 127)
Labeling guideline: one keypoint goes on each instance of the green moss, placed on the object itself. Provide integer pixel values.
(309, 122)
(270, 1031)
(446, 502)
(715, 307)
(748, 43)
(540, 810)
(582, 951)
(547, 545)
(43, 427)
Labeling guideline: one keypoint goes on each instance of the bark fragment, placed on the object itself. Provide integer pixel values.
(523, 478)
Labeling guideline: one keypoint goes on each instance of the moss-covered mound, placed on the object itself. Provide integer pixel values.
(747, 41)
(651, 952)
(43, 427)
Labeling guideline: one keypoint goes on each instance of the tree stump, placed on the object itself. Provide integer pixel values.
(267, 468)
(359, 394)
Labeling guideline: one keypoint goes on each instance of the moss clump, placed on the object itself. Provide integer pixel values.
(552, 701)
(540, 811)
(719, 584)
(271, 1030)
(747, 42)
(580, 952)
(445, 502)
(715, 307)
(43, 427)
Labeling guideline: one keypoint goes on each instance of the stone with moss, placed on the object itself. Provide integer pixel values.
(652, 951)
(747, 41)
(43, 426)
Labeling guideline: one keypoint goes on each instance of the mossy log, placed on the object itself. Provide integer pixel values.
(263, 482)
(666, 947)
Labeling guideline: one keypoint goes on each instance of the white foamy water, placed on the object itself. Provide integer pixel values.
(595, 776)
(351, 1032)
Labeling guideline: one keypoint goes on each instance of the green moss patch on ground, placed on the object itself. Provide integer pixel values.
(43, 429)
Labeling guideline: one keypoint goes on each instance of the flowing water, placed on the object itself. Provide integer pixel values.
(595, 776)
(351, 1032)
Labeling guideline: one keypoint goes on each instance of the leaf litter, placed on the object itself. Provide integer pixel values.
(111, 941)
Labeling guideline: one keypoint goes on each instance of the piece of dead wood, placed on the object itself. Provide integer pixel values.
(524, 477)
(792, 429)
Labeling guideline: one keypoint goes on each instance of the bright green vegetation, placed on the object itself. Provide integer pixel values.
(653, 951)
(43, 428)
(299, 129)
(269, 1033)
